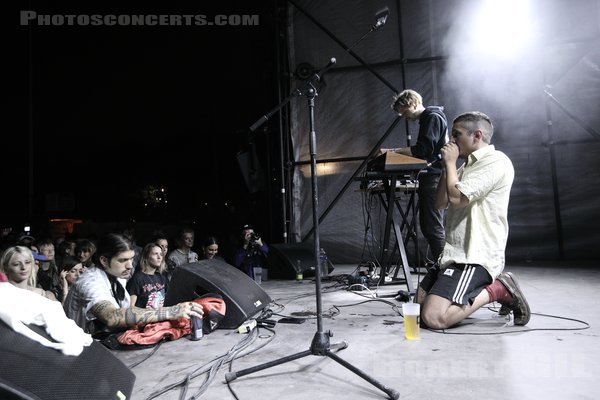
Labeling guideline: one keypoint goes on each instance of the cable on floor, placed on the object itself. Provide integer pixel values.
(585, 326)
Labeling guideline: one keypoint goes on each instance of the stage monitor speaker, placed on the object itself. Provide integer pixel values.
(33, 371)
(243, 297)
(283, 259)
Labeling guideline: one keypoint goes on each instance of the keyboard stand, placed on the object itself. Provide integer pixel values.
(405, 222)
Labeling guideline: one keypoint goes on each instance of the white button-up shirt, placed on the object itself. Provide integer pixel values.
(477, 233)
(91, 288)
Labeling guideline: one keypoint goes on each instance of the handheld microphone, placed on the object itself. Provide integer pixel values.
(438, 158)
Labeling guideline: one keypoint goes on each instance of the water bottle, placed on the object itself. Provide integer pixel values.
(299, 272)
(324, 265)
(258, 275)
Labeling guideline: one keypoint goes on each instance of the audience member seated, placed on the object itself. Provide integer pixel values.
(148, 286)
(17, 264)
(25, 240)
(85, 250)
(48, 277)
(70, 270)
(65, 249)
(183, 254)
(210, 248)
(161, 240)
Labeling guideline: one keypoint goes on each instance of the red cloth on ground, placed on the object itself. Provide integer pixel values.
(156, 331)
(211, 303)
(172, 330)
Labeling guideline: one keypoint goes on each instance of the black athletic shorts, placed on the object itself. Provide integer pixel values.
(459, 283)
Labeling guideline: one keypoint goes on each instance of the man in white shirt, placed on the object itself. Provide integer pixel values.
(99, 303)
(476, 197)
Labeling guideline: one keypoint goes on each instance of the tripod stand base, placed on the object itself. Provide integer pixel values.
(320, 347)
(230, 376)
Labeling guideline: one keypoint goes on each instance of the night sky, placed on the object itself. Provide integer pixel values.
(116, 110)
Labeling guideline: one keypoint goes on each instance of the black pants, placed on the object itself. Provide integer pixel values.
(431, 219)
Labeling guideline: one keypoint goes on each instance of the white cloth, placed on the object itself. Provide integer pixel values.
(477, 233)
(90, 288)
(21, 307)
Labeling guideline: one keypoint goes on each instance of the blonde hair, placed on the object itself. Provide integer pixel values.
(406, 98)
(8, 256)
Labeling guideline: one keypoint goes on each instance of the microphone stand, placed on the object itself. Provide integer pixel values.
(320, 345)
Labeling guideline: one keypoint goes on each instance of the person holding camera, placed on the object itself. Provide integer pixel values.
(251, 256)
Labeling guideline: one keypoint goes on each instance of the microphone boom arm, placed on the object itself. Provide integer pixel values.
(307, 84)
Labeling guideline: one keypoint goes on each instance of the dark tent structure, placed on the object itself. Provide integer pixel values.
(532, 66)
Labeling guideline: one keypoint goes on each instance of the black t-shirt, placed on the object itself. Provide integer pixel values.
(150, 290)
(50, 280)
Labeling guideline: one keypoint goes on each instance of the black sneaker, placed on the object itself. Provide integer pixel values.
(518, 305)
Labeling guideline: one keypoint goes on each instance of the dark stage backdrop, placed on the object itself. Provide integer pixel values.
(103, 116)
(424, 46)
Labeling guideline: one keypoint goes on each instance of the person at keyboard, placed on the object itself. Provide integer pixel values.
(433, 134)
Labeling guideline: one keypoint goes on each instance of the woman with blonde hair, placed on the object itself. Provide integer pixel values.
(18, 265)
(148, 285)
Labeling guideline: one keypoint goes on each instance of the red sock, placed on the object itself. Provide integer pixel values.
(499, 293)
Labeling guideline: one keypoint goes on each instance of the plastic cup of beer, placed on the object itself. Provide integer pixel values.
(411, 313)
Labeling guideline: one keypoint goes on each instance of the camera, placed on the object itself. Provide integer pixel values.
(252, 243)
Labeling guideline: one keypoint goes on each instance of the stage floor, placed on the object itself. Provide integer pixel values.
(483, 358)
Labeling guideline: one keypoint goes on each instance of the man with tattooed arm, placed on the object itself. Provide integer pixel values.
(99, 303)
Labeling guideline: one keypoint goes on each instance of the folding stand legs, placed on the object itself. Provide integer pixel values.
(320, 347)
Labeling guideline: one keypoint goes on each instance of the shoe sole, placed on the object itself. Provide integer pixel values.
(519, 295)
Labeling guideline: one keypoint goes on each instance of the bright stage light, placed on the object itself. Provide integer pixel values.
(503, 29)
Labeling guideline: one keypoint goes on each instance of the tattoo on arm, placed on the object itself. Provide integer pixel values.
(106, 312)
(133, 316)
(173, 311)
(130, 317)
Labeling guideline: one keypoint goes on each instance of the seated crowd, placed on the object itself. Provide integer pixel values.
(111, 284)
